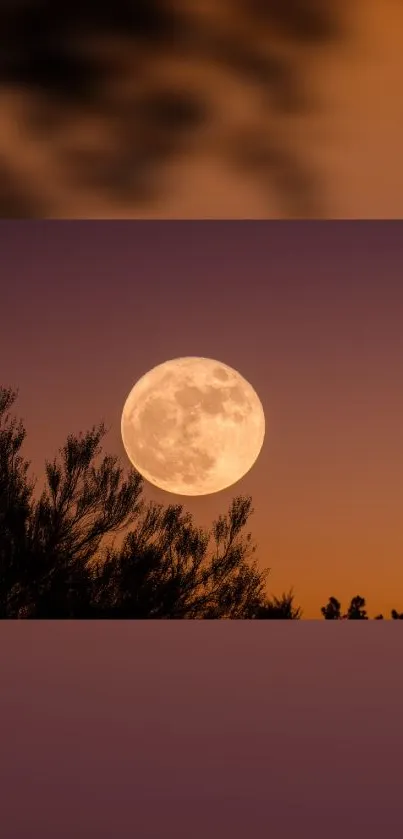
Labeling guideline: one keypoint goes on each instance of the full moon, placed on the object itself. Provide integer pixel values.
(192, 426)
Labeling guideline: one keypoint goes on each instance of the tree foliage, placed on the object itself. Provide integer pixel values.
(15, 500)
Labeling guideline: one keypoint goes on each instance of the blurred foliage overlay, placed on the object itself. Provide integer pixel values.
(60, 556)
(102, 98)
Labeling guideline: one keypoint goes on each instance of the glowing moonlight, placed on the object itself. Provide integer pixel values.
(193, 426)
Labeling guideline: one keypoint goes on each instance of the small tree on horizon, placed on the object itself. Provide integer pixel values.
(356, 609)
(332, 611)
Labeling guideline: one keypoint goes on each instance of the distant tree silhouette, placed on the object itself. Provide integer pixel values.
(59, 557)
(356, 609)
(332, 610)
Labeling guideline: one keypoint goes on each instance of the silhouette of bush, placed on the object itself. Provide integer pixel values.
(280, 608)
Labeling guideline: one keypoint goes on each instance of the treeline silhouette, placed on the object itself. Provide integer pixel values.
(90, 547)
(355, 611)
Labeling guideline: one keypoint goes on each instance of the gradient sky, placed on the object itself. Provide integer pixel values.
(310, 313)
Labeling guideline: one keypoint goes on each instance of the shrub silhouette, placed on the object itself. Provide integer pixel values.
(280, 608)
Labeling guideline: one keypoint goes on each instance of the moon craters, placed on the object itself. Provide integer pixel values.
(193, 426)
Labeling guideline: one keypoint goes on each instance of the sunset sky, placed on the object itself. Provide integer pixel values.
(310, 313)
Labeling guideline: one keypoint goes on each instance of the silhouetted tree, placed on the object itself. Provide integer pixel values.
(15, 500)
(84, 503)
(281, 608)
(394, 615)
(332, 610)
(165, 569)
(356, 610)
